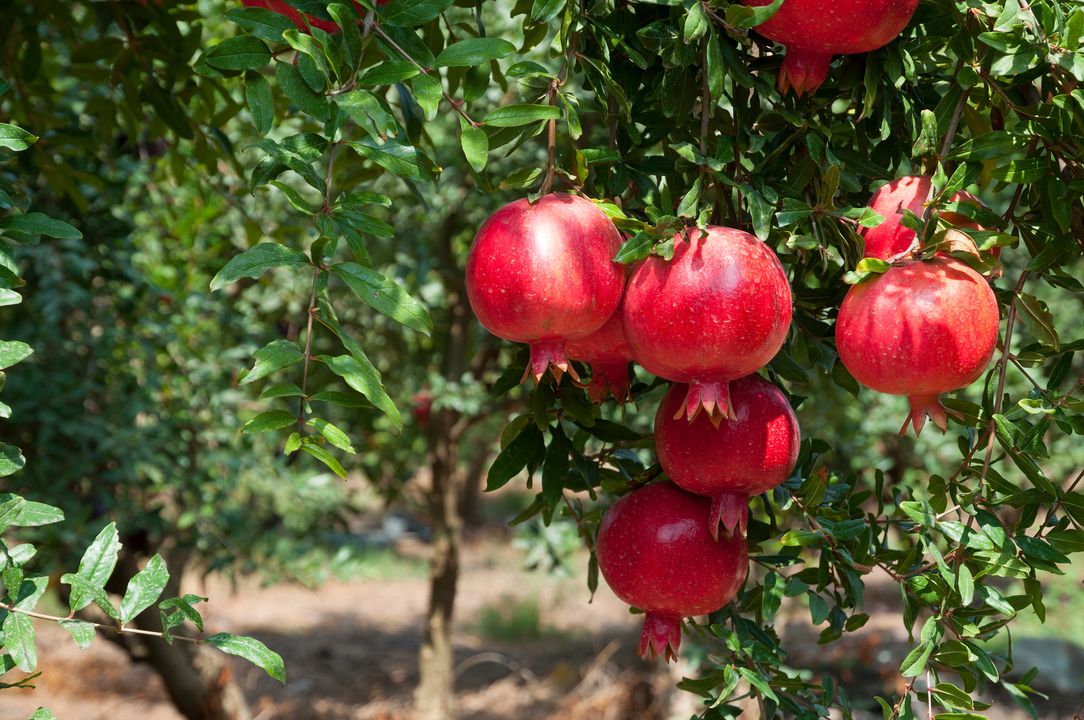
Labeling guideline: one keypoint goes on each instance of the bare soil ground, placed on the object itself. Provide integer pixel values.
(350, 651)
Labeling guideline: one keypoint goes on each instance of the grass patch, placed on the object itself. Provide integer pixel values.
(512, 620)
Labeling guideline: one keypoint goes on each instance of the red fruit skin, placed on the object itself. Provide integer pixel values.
(294, 15)
(815, 30)
(891, 238)
(656, 553)
(746, 456)
(718, 311)
(920, 329)
(606, 351)
(544, 273)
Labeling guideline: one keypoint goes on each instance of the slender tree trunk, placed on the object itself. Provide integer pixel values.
(198, 678)
(436, 662)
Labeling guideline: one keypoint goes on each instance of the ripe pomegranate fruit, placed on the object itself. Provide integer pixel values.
(656, 554)
(608, 355)
(718, 311)
(749, 455)
(815, 30)
(891, 238)
(543, 274)
(294, 15)
(920, 329)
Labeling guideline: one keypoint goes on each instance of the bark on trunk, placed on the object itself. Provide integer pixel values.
(434, 697)
(198, 678)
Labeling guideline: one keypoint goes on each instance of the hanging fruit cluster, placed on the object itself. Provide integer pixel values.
(707, 320)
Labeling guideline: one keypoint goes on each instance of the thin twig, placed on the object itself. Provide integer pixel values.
(457, 105)
(101, 626)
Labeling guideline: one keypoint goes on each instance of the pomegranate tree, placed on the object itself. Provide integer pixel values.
(815, 30)
(718, 311)
(543, 274)
(738, 459)
(892, 238)
(920, 329)
(608, 355)
(656, 553)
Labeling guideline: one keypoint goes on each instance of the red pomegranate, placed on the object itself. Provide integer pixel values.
(543, 274)
(815, 30)
(294, 15)
(608, 355)
(718, 311)
(920, 329)
(891, 238)
(657, 555)
(749, 455)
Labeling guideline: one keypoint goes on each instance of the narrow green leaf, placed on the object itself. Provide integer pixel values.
(473, 51)
(95, 567)
(243, 52)
(321, 454)
(270, 420)
(144, 589)
(385, 296)
(82, 632)
(20, 641)
(252, 650)
(332, 434)
(272, 357)
(256, 261)
(523, 114)
(36, 223)
(261, 101)
(15, 138)
(13, 352)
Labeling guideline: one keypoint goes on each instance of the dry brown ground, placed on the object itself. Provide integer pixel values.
(350, 651)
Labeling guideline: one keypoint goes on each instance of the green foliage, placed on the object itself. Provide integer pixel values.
(333, 182)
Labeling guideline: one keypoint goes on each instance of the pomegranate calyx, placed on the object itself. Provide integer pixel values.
(610, 377)
(549, 355)
(661, 636)
(711, 397)
(731, 510)
(921, 407)
(803, 71)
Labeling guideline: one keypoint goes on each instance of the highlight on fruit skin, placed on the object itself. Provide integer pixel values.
(734, 461)
(814, 30)
(920, 329)
(718, 311)
(608, 354)
(543, 274)
(655, 553)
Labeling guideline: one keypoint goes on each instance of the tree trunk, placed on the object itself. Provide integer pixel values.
(436, 661)
(198, 678)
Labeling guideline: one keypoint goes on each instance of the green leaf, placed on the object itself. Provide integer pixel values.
(33, 514)
(15, 138)
(21, 641)
(299, 93)
(35, 223)
(186, 606)
(332, 434)
(13, 352)
(475, 146)
(965, 585)
(1039, 320)
(403, 160)
(261, 101)
(744, 16)
(82, 632)
(144, 589)
(915, 662)
(11, 460)
(347, 18)
(269, 420)
(325, 457)
(272, 357)
(473, 51)
(360, 374)
(523, 114)
(634, 249)
(555, 467)
(255, 261)
(388, 73)
(42, 714)
(297, 202)
(542, 11)
(385, 296)
(261, 22)
(428, 92)
(252, 650)
(95, 567)
(243, 52)
(514, 457)
(411, 13)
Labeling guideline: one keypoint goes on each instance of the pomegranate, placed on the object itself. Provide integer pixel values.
(920, 329)
(747, 456)
(892, 238)
(718, 311)
(656, 554)
(815, 30)
(608, 355)
(543, 274)
(294, 15)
